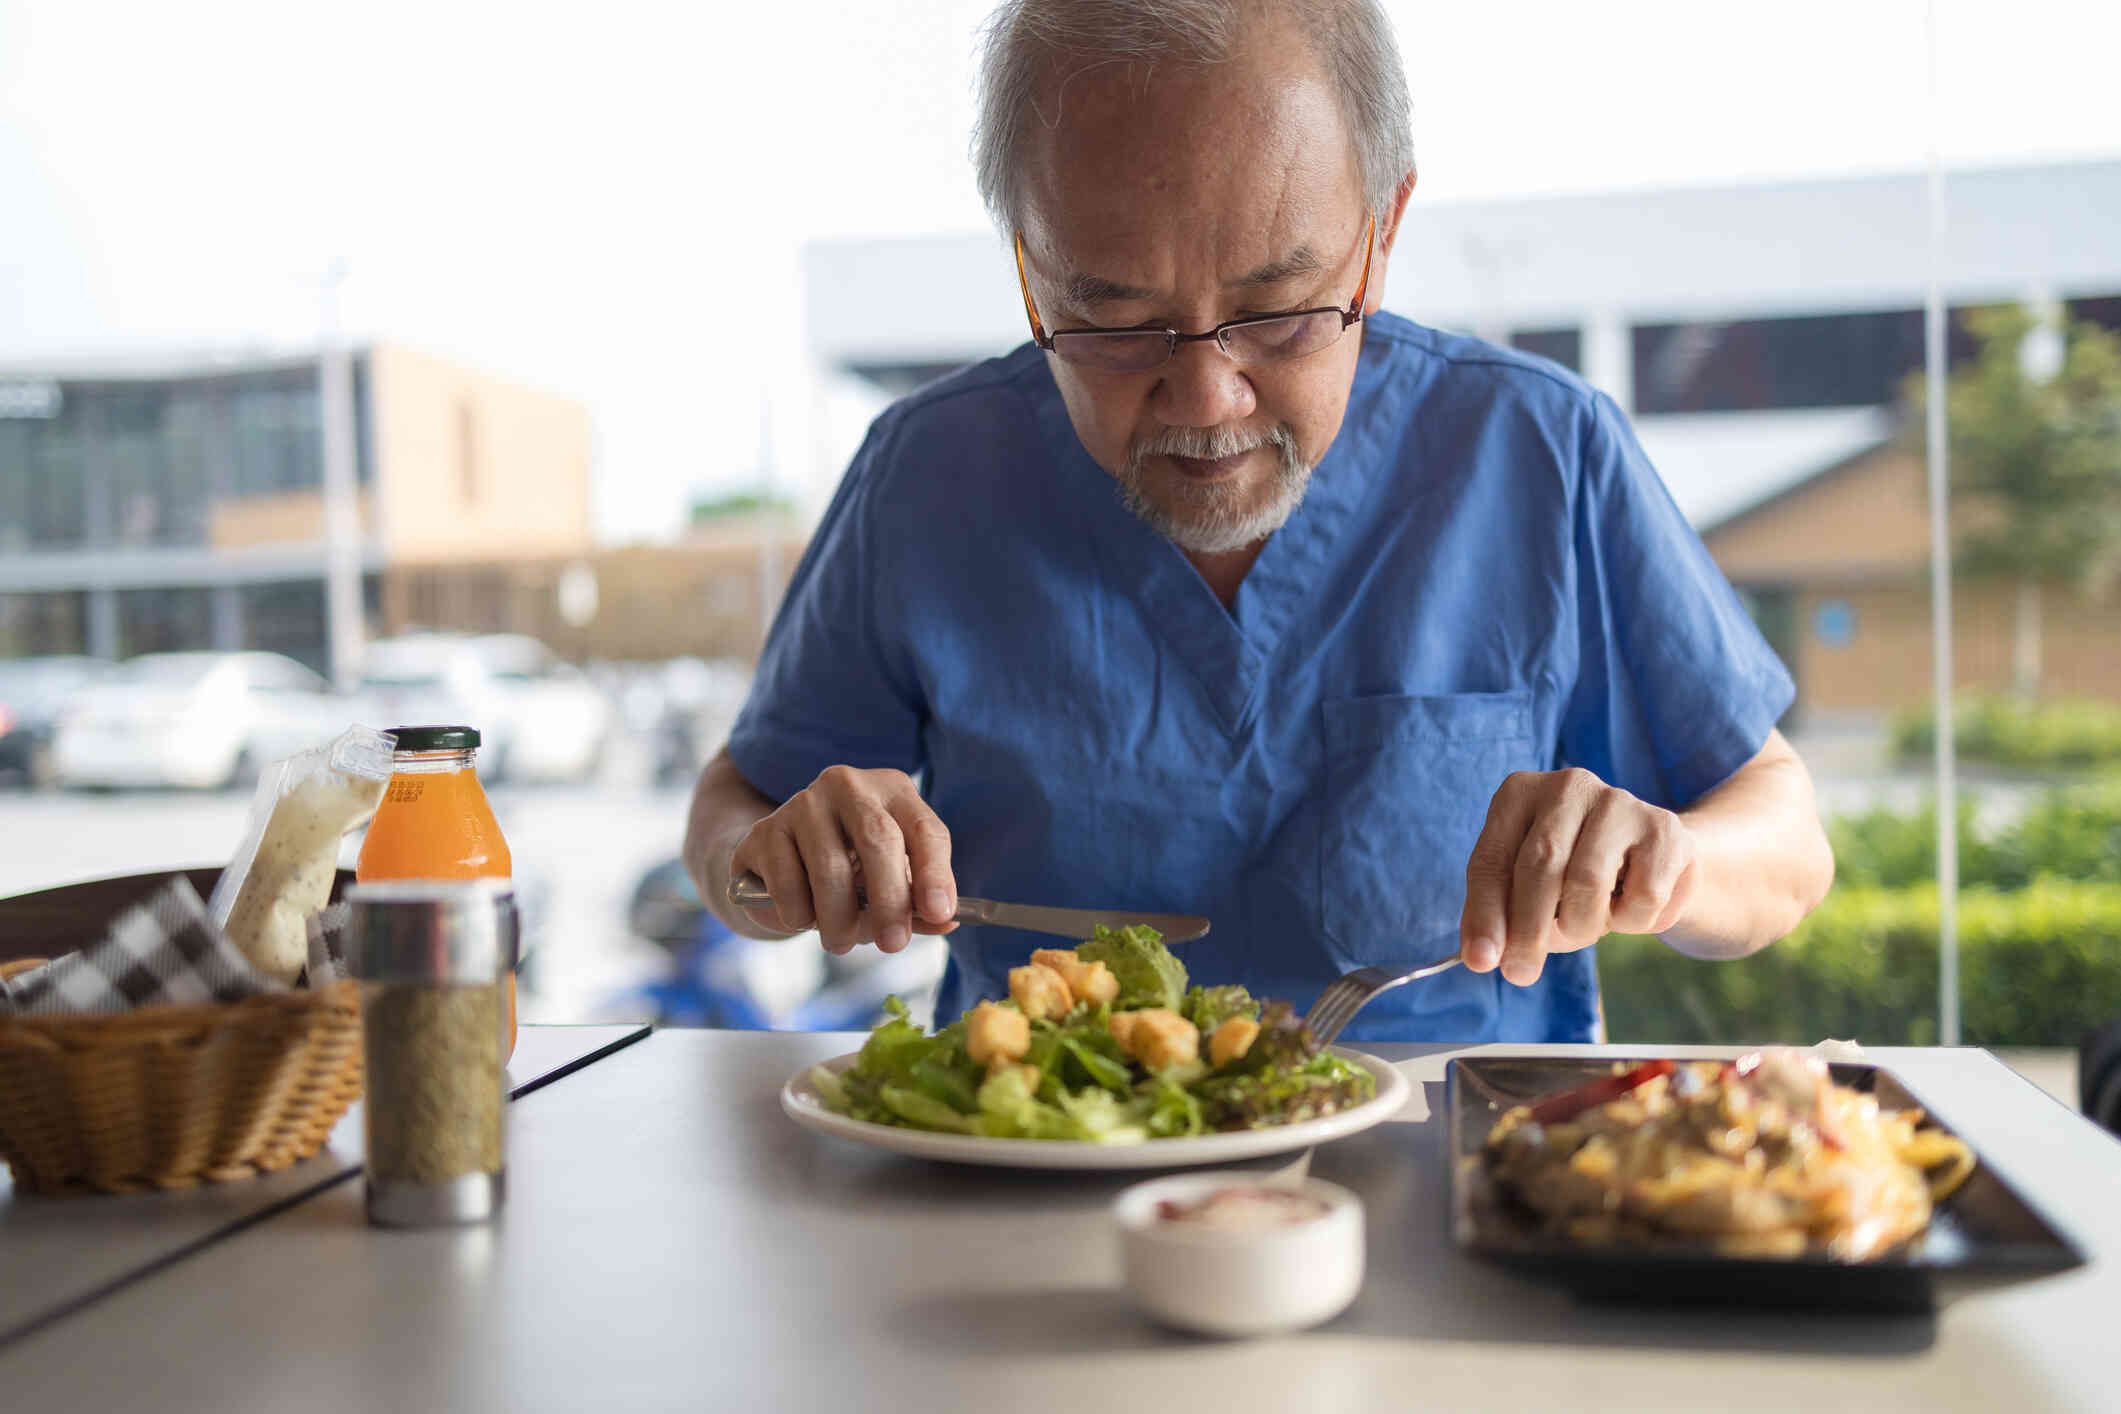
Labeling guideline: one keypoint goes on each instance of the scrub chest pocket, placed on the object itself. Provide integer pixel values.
(1408, 781)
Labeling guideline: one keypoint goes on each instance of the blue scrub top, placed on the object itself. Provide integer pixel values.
(1486, 576)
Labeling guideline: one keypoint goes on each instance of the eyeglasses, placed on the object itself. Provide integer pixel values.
(1267, 338)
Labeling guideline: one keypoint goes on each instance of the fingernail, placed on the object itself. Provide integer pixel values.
(1482, 953)
(935, 903)
(892, 937)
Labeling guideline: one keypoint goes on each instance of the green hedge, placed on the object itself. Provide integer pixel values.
(2069, 834)
(2008, 732)
(2039, 966)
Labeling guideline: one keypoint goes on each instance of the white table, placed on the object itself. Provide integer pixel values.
(57, 1254)
(673, 1242)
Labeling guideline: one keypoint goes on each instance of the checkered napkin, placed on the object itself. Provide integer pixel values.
(327, 944)
(162, 951)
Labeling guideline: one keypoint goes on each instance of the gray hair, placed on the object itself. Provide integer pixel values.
(1354, 40)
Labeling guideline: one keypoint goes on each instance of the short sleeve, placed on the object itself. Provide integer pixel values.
(1676, 688)
(833, 686)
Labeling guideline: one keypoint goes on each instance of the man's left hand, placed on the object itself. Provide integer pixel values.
(1563, 860)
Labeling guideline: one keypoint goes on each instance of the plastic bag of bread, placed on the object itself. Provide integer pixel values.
(283, 871)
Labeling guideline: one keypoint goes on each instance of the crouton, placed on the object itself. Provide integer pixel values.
(1232, 1039)
(1091, 982)
(996, 1033)
(1039, 993)
(1156, 1037)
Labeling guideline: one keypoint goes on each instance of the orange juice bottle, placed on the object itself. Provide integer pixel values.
(434, 822)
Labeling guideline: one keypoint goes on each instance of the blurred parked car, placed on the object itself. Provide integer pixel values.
(539, 718)
(197, 719)
(696, 703)
(559, 722)
(33, 692)
(436, 678)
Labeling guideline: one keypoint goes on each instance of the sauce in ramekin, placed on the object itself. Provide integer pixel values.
(1245, 1207)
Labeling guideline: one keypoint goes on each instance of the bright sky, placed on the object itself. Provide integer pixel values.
(609, 200)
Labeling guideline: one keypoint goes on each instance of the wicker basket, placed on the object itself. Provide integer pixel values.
(167, 1097)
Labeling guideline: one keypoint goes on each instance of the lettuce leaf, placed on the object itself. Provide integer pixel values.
(921, 1111)
(1209, 1007)
(1103, 1118)
(1173, 1112)
(1078, 1050)
(1149, 976)
(1322, 1085)
(1009, 1110)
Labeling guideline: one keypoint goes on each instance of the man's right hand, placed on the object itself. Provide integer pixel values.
(852, 830)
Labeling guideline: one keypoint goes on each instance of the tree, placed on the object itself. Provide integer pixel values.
(738, 503)
(2036, 463)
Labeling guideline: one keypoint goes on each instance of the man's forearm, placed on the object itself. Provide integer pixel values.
(724, 808)
(1761, 858)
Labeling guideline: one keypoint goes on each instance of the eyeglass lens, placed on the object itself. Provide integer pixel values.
(1118, 352)
(1273, 339)
(1264, 341)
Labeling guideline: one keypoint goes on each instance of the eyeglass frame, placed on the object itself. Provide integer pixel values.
(1349, 317)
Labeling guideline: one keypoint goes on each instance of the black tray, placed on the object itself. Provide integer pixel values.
(1982, 1234)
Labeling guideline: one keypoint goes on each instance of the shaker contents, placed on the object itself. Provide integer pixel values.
(434, 1089)
(430, 955)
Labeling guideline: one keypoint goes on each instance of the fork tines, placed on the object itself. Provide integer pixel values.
(1343, 997)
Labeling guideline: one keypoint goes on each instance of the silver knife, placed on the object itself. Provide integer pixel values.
(749, 891)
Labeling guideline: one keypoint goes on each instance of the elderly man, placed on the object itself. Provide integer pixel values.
(1229, 594)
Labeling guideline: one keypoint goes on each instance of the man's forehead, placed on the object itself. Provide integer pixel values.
(1247, 143)
(1109, 276)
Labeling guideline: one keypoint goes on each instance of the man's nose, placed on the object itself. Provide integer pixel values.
(1201, 386)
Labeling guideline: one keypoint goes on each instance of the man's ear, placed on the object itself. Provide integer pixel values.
(1387, 232)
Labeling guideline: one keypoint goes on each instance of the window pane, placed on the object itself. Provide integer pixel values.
(1563, 346)
(163, 620)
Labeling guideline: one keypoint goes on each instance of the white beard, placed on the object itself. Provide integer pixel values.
(1215, 519)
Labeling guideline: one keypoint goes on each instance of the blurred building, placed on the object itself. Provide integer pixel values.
(1758, 335)
(178, 502)
(709, 595)
(1837, 571)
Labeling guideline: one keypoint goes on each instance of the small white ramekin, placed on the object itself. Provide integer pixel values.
(1239, 1283)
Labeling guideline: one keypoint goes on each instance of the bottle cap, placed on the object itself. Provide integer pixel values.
(457, 738)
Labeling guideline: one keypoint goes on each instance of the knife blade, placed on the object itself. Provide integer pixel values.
(749, 891)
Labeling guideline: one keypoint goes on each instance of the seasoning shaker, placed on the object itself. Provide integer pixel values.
(431, 956)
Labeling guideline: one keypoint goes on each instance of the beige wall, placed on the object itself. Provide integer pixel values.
(283, 518)
(1887, 663)
(708, 597)
(1859, 536)
(1866, 519)
(473, 468)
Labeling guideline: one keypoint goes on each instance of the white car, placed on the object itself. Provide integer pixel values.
(204, 720)
(558, 721)
(436, 679)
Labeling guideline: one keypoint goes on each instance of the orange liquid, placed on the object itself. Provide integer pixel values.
(437, 825)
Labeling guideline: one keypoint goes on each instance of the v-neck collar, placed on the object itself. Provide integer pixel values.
(1296, 557)
(1227, 650)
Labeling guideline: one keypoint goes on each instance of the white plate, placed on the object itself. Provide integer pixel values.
(804, 1105)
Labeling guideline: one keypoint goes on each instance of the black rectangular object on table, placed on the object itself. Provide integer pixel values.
(1983, 1233)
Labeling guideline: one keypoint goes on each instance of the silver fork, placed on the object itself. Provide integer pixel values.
(1351, 992)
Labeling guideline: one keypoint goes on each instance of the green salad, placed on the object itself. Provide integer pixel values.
(1106, 1043)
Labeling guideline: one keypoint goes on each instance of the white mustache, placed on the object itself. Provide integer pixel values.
(1212, 443)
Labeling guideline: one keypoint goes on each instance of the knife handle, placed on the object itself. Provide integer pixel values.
(748, 890)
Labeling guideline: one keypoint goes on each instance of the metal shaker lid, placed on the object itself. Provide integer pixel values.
(431, 930)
